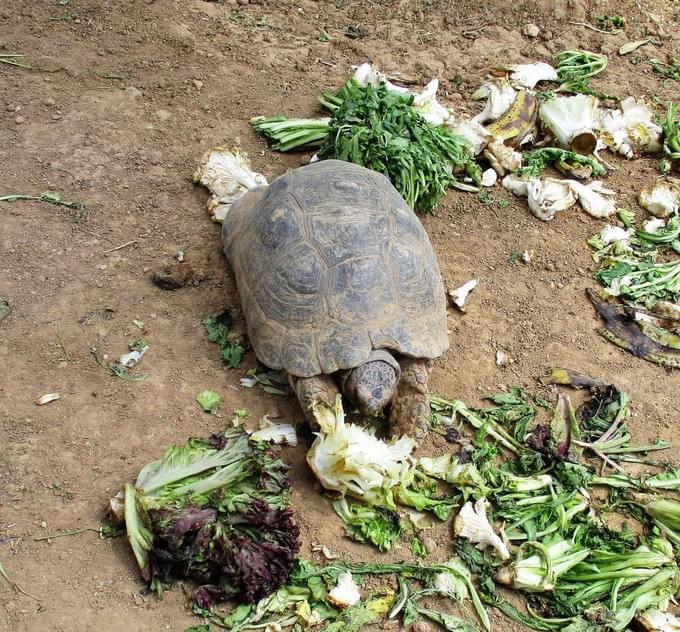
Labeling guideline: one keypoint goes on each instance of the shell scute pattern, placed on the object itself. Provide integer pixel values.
(331, 263)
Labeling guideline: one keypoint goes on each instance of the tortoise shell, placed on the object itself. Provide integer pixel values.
(330, 264)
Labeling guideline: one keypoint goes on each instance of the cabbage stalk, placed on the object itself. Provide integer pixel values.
(351, 460)
(573, 121)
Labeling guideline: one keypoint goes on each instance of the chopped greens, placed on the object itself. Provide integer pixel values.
(536, 161)
(117, 369)
(380, 526)
(380, 129)
(49, 197)
(671, 135)
(218, 329)
(640, 281)
(575, 69)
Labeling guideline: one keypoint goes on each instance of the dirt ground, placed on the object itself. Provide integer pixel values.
(190, 74)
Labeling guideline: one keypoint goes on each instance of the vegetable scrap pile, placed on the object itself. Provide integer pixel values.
(384, 130)
(216, 511)
(424, 148)
(545, 522)
(639, 269)
(558, 504)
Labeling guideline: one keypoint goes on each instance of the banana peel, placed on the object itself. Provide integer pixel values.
(623, 331)
(518, 123)
(569, 377)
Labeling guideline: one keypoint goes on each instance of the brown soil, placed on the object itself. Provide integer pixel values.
(193, 73)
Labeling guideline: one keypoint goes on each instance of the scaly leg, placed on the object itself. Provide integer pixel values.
(320, 389)
(410, 408)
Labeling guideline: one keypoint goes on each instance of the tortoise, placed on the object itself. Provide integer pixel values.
(340, 289)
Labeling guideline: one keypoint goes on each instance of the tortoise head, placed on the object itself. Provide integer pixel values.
(373, 384)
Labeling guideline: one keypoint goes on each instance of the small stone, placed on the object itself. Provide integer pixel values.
(198, 84)
(163, 115)
(179, 255)
(133, 93)
(429, 544)
(55, 117)
(19, 120)
(43, 524)
(531, 30)
(49, 102)
(102, 266)
(243, 2)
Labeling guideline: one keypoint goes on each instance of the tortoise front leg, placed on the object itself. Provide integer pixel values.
(410, 408)
(319, 389)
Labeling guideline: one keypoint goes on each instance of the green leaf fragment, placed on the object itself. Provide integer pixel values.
(209, 401)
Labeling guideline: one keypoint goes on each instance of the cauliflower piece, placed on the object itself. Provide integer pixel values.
(549, 196)
(346, 592)
(654, 225)
(489, 177)
(472, 523)
(546, 197)
(661, 198)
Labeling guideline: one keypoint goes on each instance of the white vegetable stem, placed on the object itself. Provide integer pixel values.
(573, 121)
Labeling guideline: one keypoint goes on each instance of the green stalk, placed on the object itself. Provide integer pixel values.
(491, 427)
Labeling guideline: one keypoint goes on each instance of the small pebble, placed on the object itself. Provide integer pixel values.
(198, 84)
(179, 255)
(531, 30)
(19, 120)
(49, 102)
(429, 544)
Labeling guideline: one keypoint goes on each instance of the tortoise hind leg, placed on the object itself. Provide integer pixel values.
(410, 408)
(320, 389)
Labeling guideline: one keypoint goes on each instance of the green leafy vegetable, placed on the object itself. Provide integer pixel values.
(671, 135)
(213, 510)
(417, 547)
(536, 161)
(286, 134)
(378, 525)
(218, 332)
(379, 129)
(209, 401)
(575, 68)
(49, 197)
